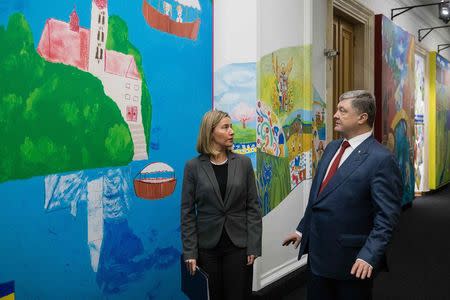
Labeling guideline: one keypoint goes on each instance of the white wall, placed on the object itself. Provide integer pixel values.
(234, 32)
(415, 19)
(282, 24)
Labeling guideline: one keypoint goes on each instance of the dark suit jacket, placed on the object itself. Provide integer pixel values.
(204, 214)
(355, 214)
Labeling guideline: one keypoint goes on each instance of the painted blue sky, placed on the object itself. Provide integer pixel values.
(235, 85)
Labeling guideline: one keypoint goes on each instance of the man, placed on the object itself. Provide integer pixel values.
(354, 205)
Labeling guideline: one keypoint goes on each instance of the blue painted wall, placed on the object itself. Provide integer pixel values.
(46, 252)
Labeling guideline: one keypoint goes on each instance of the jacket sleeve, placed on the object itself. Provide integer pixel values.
(307, 216)
(254, 218)
(188, 215)
(301, 225)
(386, 191)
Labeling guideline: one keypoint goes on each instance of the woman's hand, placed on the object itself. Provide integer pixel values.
(191, 265)
(250, 260)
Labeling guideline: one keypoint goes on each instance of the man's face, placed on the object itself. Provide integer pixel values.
(347, 120)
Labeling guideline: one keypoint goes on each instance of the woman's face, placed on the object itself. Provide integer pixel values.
(223, 133)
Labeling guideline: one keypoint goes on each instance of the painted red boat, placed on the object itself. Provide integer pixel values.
(162, 21)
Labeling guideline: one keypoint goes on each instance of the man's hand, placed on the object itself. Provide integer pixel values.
(191, 265)
(361, 269)
(250, 259)
(292, 238)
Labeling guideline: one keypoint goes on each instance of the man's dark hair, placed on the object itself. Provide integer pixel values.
(362, 101)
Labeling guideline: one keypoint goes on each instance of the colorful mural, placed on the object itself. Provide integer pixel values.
(318, 129)
(290, 124)
(88, 136)
(235, 93)
(395, 91)
(439, 116)
(283, 131)
(419, 124)
(90, 99)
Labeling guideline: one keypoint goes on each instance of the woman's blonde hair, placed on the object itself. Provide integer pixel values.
(209, 121)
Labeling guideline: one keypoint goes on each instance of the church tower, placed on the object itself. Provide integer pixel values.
(99, 31)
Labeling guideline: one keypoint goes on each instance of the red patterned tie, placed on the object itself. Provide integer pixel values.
(335, 165)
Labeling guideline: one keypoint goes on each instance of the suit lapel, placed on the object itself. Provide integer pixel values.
(231, 175)
(206, 165)
(325, 162)
(355, 159)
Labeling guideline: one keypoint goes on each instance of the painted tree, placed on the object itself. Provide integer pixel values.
(243, 113)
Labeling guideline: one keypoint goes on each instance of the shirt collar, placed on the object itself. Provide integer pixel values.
(357, 140)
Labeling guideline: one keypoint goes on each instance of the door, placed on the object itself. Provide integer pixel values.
(343, 64)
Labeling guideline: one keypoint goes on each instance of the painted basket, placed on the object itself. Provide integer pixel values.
(155, 181)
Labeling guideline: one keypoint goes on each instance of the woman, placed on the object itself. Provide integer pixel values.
(220, 216)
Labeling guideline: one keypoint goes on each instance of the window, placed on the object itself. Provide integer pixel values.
(96, 53)
(98, 35)
(135, 98)
(103, 36)
(136, 87)
(103, 20)
(127, 96)
(127, 85)
(101, 54)
(99, 18)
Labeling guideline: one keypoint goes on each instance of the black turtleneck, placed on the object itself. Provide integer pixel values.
(221, 172)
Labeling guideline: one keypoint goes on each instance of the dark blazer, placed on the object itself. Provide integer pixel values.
(204, 214)
(354, 216)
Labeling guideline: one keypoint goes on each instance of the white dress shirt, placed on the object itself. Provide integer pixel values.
(354, 143)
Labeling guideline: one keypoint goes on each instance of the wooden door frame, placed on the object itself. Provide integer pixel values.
(363, 18)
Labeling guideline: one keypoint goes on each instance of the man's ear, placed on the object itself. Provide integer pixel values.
(363, 118)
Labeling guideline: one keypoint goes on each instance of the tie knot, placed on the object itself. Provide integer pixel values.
(345, 145)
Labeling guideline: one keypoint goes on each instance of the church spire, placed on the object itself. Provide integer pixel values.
(74, 22)
(101, 4)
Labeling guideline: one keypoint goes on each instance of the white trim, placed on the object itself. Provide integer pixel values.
(279, 272)
(278, 261)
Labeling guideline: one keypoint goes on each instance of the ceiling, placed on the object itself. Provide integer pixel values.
(429, 15)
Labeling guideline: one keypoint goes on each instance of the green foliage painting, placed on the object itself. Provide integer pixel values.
(243, 135)
(53, 117)
(273, 180)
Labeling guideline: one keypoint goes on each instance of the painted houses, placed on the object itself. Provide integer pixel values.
(70, 44)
